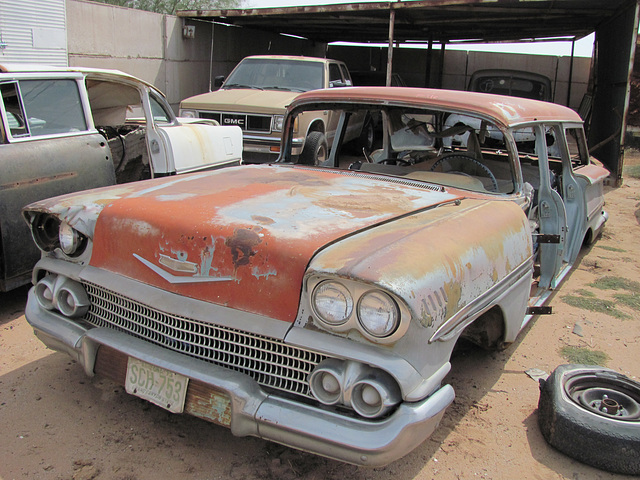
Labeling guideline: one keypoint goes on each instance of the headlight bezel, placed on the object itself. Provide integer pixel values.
(393, 311)
(338, 288)
(72, 243)
(45, 229)
(278, 123)
(51, 235)
(358, 291)
(188, 113)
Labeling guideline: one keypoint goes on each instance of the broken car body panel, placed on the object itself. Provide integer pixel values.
(318, 306)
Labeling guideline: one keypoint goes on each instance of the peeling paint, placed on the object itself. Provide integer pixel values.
(449, 255)
(258, 274)
(245, 224)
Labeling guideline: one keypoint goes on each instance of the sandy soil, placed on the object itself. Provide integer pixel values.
(55, 423)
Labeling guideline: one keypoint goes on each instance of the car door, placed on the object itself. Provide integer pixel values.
(49, 147)
(552, 216)
(178, 147)
(572, 149)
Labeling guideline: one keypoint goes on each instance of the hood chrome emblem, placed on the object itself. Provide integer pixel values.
(179, 266)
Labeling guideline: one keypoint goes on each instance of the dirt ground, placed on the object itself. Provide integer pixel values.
(55, 423)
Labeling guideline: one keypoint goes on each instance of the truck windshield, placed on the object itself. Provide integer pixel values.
(277, 74)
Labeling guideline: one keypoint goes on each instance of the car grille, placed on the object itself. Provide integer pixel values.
(269, 361)
(249, 123)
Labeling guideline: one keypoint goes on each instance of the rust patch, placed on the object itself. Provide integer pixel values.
(366, 204)
(241, 245)
(207, 403)
(38, 180)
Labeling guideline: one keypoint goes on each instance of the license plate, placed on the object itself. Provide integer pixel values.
(157, 385)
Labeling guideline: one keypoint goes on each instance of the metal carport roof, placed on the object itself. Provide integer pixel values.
(423, 20)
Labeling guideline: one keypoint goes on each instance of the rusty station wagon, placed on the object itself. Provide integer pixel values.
(318, 306)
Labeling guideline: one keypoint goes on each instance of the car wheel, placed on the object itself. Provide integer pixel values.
(315, 149)
(592, 414)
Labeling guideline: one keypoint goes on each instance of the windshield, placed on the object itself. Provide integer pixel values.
(277, 74)
(416, 144)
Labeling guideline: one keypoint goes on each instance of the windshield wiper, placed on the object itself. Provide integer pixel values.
(288, 89)
(239, 85)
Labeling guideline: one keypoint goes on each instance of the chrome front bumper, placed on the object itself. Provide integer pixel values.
(265, 144)
(254, 411)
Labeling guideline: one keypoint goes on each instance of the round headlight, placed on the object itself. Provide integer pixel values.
(332, 302)
(378, 314)
(70, 239)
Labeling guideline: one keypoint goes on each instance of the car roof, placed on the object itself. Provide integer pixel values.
(16, 68)
(510, 73)
(502, 109)
(294, 57)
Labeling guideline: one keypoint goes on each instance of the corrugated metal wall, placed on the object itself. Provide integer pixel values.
(33, 31)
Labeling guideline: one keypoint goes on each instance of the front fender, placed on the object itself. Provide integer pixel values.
(448, 264)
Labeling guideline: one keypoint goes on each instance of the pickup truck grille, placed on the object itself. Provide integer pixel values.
(249, 123)
(270, 362)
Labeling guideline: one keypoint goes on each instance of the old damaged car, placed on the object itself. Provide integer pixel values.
(69, 129)
(318, 306)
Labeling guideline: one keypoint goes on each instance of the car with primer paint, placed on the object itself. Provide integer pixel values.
(255, 95)
(515, 83)
(69, 129)
(318, 306)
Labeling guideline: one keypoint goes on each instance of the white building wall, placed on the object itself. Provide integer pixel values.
(151, 46)
(33, 31)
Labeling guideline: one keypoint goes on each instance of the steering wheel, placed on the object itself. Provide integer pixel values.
(470, 159)
(395, 161)
(486, 86)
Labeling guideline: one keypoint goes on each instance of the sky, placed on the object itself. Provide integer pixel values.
(583, 47)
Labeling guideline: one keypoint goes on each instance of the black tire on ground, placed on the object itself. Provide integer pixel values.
(315, 149)
(592, 414)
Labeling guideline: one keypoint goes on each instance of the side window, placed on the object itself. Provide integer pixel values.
(577, 146)
(13, 109)
(345, 74)
(335, 77)
(160, 115)
(554, 141)
(51, 107)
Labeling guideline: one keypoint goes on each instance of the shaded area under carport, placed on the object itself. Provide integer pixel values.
(615, 23)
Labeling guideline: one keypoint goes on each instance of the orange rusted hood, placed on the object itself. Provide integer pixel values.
(243, 237)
